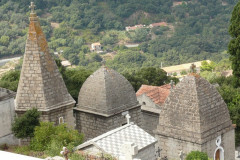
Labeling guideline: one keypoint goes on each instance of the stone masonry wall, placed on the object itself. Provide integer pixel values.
(228, 144)
(92, 125)
(53, 115)
(171, 147)
(149, 121)
(6, 116)
(147, 153)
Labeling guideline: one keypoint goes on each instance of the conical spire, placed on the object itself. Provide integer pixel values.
(41, 85)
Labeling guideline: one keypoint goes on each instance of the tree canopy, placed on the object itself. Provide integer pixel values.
(23, 126)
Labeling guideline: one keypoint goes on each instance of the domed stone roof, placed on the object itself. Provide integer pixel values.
(194, 111)
(106, 92)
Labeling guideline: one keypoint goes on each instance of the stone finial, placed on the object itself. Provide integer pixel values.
(192, 68)
(32, 6)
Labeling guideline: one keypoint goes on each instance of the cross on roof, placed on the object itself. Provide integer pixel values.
(128, 118)
(32, 7)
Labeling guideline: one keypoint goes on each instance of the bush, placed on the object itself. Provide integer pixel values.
(53, 138)
(4, 147)
(197, 155)
(23, 127)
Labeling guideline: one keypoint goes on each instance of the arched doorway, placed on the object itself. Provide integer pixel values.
(217, 155)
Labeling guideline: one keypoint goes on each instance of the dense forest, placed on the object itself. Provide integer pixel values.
(196, 30)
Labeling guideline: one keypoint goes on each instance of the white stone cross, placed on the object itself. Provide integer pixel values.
(181, 155)
(32, 7)
(128, 118)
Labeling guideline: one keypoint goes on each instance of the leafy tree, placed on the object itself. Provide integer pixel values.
(4, 40)
(234, 44)
(74, 79)
(197, 155)
(23, 126)
(205, 66)
(150, 76)
(10, 80)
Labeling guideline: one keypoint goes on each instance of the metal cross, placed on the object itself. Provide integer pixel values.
(159, 151)
(32, 7)
(192, 68)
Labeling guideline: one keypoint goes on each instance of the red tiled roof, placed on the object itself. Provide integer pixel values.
(158, 94)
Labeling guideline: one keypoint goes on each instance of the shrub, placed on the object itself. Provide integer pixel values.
(53, 138)
(197, 155)
(23, 127)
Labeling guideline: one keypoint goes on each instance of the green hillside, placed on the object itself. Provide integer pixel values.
(196, 30)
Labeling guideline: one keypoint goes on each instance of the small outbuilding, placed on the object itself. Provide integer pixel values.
(128, 142)
(7, 113)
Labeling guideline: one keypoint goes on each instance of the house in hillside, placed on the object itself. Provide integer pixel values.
(66, 63)
(159, 24)
(96, 47)
(128, 142)
(132, 28)
(151, 99)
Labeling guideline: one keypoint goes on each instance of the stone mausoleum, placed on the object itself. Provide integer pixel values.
(41, 84)
(104, 100)
(195, 117)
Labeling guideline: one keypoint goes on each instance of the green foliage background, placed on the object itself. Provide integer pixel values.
(198, 30)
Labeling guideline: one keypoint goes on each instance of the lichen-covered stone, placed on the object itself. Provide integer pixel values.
(41, 85)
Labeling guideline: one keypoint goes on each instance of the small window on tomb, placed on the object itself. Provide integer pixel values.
(61, 120)
(144, 103)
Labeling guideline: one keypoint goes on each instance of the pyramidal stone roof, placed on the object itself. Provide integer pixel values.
(194, 111)
(106, 92)
(41, 84)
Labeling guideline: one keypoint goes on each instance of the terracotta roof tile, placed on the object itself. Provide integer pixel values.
(158, 94)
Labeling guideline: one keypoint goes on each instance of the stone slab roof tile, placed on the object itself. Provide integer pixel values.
(106, 92)
(41, 84)
(194, 107)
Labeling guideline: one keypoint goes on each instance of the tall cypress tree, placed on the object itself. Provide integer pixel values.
(234, 44)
